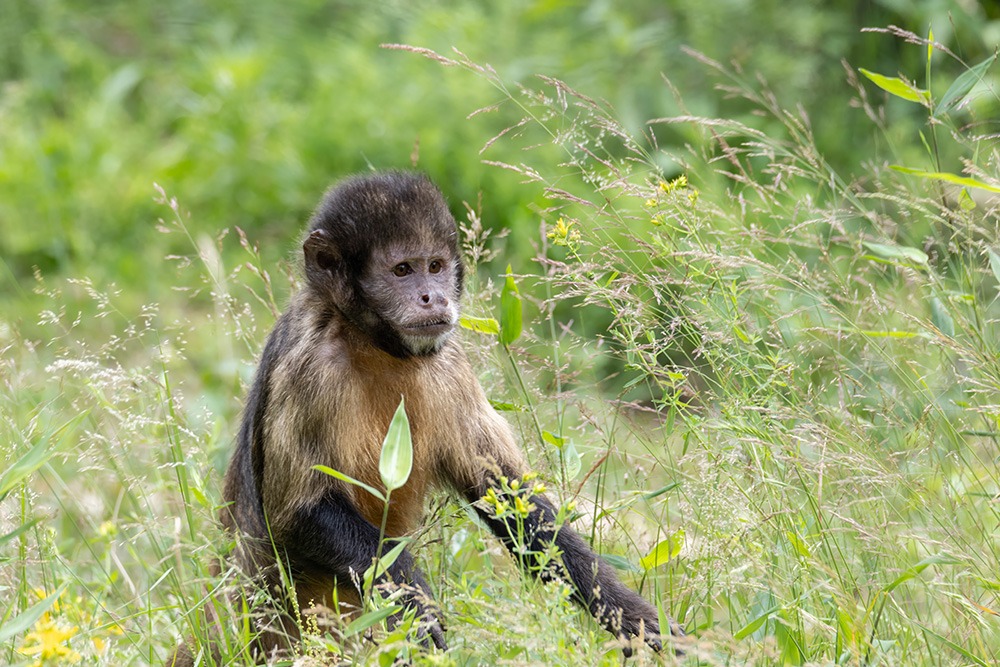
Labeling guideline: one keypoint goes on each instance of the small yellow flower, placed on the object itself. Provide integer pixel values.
(491, 498)
(562, 234)
(515, 484)
(48, 640)
(693, 197)
(523, 508)
(651, 203)
(538, 488)
(108, 529)
(678, 183)
(528, 476)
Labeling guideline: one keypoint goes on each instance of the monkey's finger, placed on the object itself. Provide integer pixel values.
(437, 636)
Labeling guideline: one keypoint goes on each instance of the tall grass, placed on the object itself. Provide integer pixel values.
(766, 390)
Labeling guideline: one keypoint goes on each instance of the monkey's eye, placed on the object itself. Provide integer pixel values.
(435, 266)
(401, 269)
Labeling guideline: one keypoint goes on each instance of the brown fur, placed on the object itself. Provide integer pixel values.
(372, 326)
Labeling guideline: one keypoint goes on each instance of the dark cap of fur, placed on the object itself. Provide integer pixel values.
(395, 207)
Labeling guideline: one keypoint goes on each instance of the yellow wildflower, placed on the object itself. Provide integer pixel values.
(48, 641)
(562, 234)
(678, 183)
(521, 507)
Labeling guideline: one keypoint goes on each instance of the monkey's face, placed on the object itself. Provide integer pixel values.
(415, 290)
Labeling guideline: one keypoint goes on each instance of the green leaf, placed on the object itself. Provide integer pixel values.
(350, 480)
(944, 176)
(965, 200)
(570, 460)
(510, 310)
(661, 490)
(620, 563)
(501, 406)
(910, 573)
(942, 318)
(553, 439)
(961, 86)
(370, 619)
(898, 87)
(20, 530)
(664, 552)
(376, 570)
(483, 325)
(36, 457)
(396, 460)
(27, 618)
(898, 252)
(994, 263)
(755, 624)
(801, 548)
(888, 334)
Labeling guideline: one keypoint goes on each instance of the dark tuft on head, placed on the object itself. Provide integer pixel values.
(395, 207)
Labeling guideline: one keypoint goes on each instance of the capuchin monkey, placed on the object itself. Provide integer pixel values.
(374, 322)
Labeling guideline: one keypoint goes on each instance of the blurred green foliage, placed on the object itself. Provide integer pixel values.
(245, 113)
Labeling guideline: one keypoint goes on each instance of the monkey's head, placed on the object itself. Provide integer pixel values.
(382, 249)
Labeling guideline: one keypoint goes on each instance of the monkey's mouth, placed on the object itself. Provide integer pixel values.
(431, 328)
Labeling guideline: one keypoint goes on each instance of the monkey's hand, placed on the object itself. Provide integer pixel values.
(636, 619)
(427, 623)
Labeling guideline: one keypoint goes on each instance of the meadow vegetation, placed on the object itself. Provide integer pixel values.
(759, 364)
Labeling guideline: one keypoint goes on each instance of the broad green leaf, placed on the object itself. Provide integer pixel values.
(965, 200)
(27, 618)
(20, 530)
(372, 618)
(396, 460)
(620, 563)
(994, 263)
(961, 86)
(898, 252)
(553, 439)
(755, 624)
(31, 461)
(510, 310)
(801, 548)
(501, 406)
(384, 562)
(944, 176)
(350, 480)
(34, 458)
(483, 325)
(942, 318)
(910, 573)
(570, 459)
(898, 87)
(664, 552)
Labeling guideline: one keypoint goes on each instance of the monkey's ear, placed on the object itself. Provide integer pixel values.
(319, 252)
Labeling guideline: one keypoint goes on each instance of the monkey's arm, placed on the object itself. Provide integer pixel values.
(332, 537)
(616, 607)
